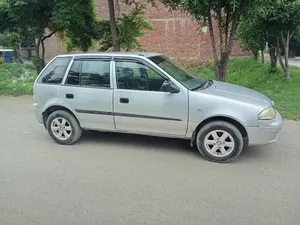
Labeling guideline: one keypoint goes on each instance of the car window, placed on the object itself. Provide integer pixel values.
(74, 74)
(95, 74)
(134, 75)
(55, 71)
(186, 78)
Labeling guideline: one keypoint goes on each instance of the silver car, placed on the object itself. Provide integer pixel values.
(148, 94)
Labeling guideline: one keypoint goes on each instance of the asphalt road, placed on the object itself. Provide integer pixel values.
(295, 61)
(125, 179)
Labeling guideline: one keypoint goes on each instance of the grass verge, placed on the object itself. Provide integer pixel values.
(17, 79)
(252, 74)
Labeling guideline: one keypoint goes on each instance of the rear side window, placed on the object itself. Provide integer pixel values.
(89, 73)
(55, 71)
(95, 74)
(74, 74)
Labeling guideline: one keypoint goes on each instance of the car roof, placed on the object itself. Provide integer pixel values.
(134, 54)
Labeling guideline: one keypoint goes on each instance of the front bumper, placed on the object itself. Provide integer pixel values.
(267, 132)
(38, 112)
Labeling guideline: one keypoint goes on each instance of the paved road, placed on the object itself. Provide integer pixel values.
(122, 179)
(295, 61)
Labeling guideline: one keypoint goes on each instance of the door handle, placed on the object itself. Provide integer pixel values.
(69, 96)
(124, 100)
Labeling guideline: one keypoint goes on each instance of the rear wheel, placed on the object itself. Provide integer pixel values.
(63, 127)
(219, 141)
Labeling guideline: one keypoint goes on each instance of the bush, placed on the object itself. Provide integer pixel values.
(17, 79)
(35, 62)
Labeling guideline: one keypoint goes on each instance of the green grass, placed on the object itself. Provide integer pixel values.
(252, 74)
(11, 82)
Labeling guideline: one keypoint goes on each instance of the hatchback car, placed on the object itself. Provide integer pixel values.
(149, 94)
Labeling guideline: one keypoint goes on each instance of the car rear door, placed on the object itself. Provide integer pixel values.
(88, 92)
(139, 104)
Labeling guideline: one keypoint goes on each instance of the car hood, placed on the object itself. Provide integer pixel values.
(238, 93)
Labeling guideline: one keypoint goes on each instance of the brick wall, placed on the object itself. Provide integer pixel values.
(174, 35)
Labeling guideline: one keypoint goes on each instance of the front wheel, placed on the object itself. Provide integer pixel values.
(63, 127)
(219, 141)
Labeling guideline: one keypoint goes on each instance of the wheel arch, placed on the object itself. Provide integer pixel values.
(54, 108)
(232, 121)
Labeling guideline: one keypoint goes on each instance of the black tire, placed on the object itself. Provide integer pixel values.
(76, 130)
(236, 138)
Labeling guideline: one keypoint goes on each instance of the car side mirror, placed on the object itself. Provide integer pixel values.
(169, 86)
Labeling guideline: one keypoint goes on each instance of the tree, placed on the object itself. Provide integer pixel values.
(129, 28)
(251, 41)
(253, 37)
(113, 24)
(295, 45)
(124, 30)
(227, 15)
(286, 18)
(272, 53)
(275, 23)
(71, 20)
(9, 40)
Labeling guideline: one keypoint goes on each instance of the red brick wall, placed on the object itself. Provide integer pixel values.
(174, 35)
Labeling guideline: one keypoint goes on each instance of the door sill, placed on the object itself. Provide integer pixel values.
(140, 133)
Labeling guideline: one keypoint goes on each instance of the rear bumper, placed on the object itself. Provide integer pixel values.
(267, 132)
(38, 112)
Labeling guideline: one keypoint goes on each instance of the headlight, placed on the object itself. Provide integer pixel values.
(268, 114)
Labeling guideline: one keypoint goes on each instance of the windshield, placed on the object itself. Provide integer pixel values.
(186, 78)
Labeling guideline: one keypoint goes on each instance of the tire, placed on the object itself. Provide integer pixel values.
(63, 121)
(213, 146)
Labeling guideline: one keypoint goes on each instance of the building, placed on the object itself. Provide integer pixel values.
(174, 35)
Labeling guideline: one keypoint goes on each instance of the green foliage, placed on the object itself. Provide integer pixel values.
(35, 63)
(272, 69)
(295, 45)
(9, 40)
(252, 33)
(130, 28)
(76, 23)
(281, 15)
(23, 15)
(17, 79)
(19, 60)
(73, 20)
(250, 73)
(275, 22)
(201, 10)
(105, 36)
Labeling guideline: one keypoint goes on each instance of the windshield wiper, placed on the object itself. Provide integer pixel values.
(201, 85)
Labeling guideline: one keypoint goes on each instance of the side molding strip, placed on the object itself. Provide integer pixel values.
(124, 115)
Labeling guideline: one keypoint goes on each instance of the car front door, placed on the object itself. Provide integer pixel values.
(88, 92)
(140, 106)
